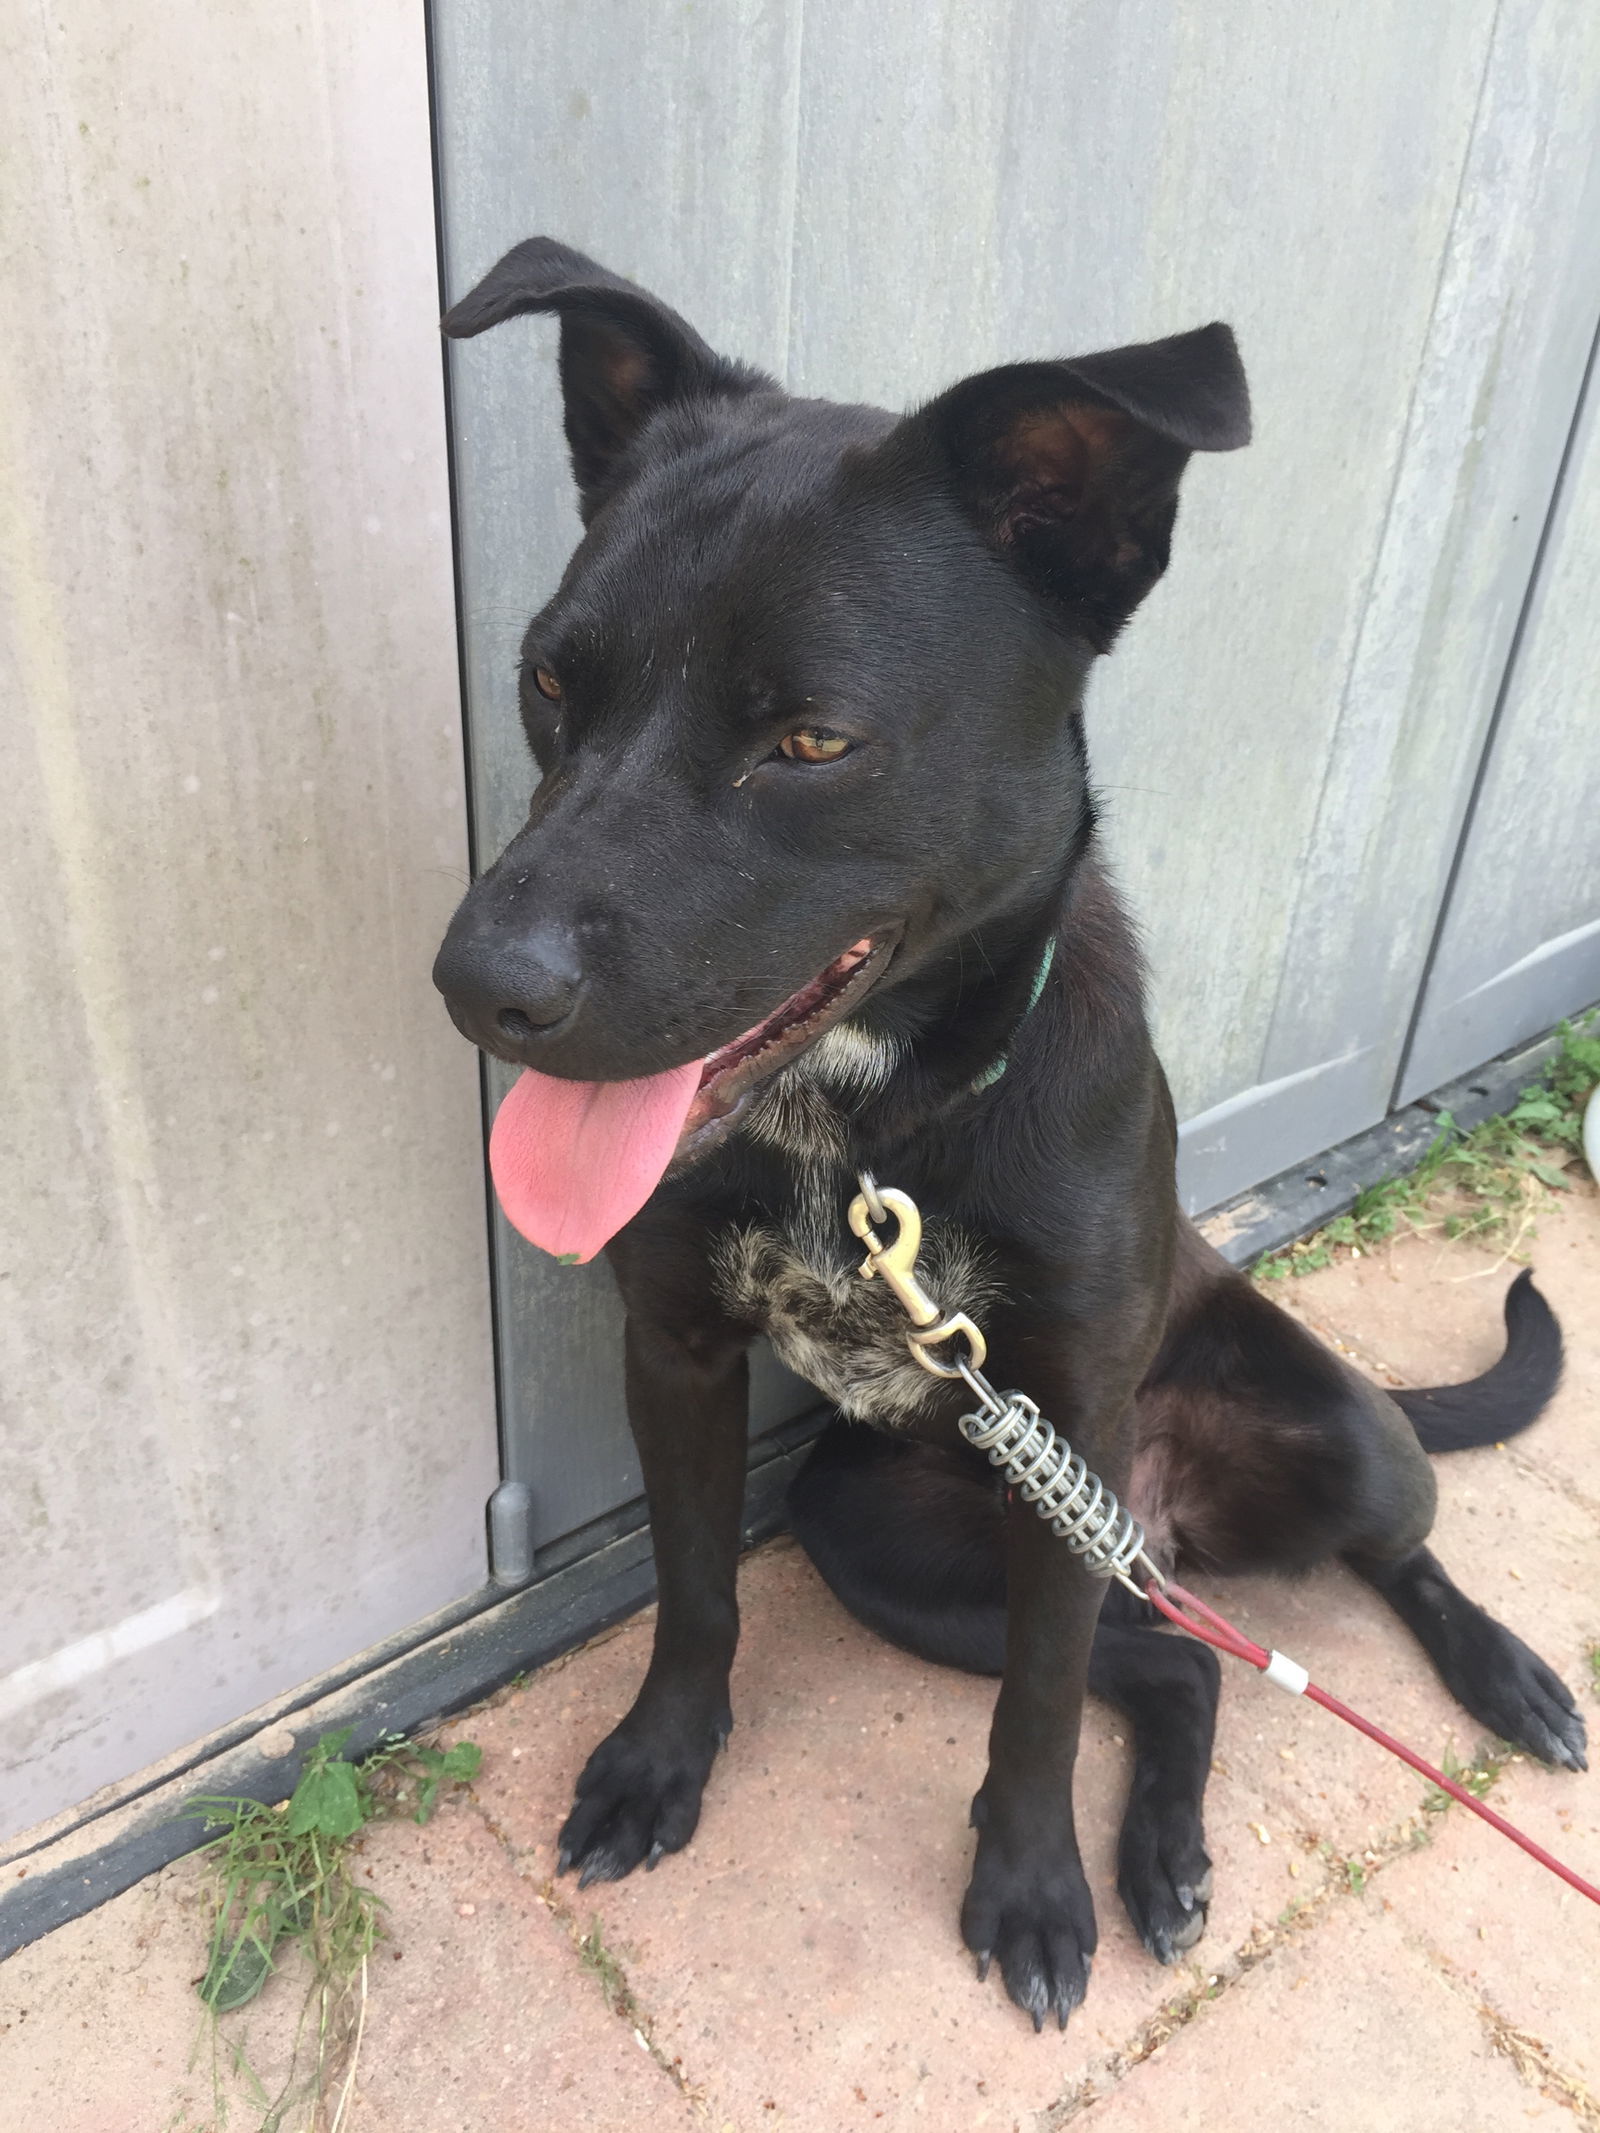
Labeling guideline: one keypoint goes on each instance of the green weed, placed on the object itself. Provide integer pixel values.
(283, 1882)
(1484, 1185)
(605, 1967)
(1478, 1777)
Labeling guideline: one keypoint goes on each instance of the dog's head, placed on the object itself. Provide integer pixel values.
(805, 704)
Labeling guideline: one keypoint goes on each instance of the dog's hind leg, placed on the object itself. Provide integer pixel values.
(1167, 1688)
(1488, 1669)
(1484, 1665)
(911, 1539)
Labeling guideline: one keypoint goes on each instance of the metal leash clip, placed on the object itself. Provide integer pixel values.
(896, 1265)
(1037, 1461)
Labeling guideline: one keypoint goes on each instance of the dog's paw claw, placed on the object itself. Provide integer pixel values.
(1036, 1916)
(637, 1799)
(1508, 1688)
(1164, 1877)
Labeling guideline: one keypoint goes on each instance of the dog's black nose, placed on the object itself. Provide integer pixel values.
(505, 994)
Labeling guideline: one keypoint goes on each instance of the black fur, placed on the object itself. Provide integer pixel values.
(931, 591)
(912, 1538)
(1507, 1398)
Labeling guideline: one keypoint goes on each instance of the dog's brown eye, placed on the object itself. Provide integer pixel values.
(546, 684)
(813, 744)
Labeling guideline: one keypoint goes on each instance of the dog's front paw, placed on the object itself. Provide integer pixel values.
(638, 1797)
(1164, 1874)
(1521, 1699)
(1032, 1911)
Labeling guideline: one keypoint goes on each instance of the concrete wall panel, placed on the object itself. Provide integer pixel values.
(244, 1327)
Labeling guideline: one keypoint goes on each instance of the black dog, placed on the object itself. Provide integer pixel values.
(807, 707)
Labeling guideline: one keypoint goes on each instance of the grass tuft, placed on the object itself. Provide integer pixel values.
(283, 1885)
(1485, 1186)
(605, 1967)
(1479, 1777)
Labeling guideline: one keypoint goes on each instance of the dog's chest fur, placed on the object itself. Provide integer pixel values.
(797, 1275)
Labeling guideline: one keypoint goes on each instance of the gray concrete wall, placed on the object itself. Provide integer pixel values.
(245, 1372)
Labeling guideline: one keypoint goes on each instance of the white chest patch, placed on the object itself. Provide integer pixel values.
(800, 1282)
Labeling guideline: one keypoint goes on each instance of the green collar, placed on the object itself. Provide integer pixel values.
(991, 1074)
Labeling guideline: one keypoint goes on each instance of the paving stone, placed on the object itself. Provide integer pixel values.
(1513, 1934)
(1344, 2027)
(486, 2021)
(99, 2020)
(803, 1955)
(480, 2018)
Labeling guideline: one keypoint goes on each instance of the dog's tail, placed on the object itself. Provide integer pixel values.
(1510, 1395)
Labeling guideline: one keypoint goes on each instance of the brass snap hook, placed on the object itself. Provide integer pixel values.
(896, 1262)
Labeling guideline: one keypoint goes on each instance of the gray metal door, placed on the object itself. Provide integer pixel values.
(589, 122)
(1396, 211)
(1519, 945)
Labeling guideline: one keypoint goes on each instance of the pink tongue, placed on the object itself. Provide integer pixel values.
(572, 1161)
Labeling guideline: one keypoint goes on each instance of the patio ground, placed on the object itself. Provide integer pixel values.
(1368, 1965)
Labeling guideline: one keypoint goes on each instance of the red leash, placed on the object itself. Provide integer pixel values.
(1192, 1614)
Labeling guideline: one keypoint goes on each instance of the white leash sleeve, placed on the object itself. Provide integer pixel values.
(1287, 1673)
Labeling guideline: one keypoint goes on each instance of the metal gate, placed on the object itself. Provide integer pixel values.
(1346, 755)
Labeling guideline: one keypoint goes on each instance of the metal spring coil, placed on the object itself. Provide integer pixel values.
(1050, 1475)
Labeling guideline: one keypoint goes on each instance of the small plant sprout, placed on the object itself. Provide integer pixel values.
(283, 1883)
(1484, 1186)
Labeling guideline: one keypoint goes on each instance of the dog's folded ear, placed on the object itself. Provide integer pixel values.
(624, 353)
(1071, 469)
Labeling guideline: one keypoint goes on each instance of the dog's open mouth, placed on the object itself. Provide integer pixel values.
(729, 1076)
(573, 1161)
